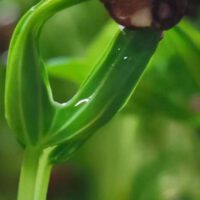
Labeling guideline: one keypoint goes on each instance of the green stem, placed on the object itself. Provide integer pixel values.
(35, 175)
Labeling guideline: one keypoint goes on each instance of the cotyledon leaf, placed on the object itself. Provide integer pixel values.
(105, 91)
(29, 104)
(31, 111)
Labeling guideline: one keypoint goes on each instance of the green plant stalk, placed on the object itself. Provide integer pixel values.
(35, 175)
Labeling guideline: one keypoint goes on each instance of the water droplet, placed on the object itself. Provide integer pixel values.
(82, 101)
(125, 57)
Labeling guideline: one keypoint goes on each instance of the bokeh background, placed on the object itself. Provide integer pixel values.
(151, 149)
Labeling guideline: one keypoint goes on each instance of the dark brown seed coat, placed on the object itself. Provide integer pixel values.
(136, 14)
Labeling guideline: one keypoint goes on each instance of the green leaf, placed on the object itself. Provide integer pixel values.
(29, 104)
(105, 92)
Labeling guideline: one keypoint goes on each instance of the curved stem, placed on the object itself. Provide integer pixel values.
(35, 175)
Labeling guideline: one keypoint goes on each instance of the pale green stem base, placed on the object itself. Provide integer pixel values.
(35, 174)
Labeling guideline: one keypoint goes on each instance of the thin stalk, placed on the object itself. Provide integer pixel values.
(34, 176)
(43, 176)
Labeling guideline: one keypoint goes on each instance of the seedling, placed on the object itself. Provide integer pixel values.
(50, 131)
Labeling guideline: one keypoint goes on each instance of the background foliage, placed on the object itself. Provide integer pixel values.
(148, 151)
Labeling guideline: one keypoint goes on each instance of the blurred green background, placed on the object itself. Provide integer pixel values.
(151, 149)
